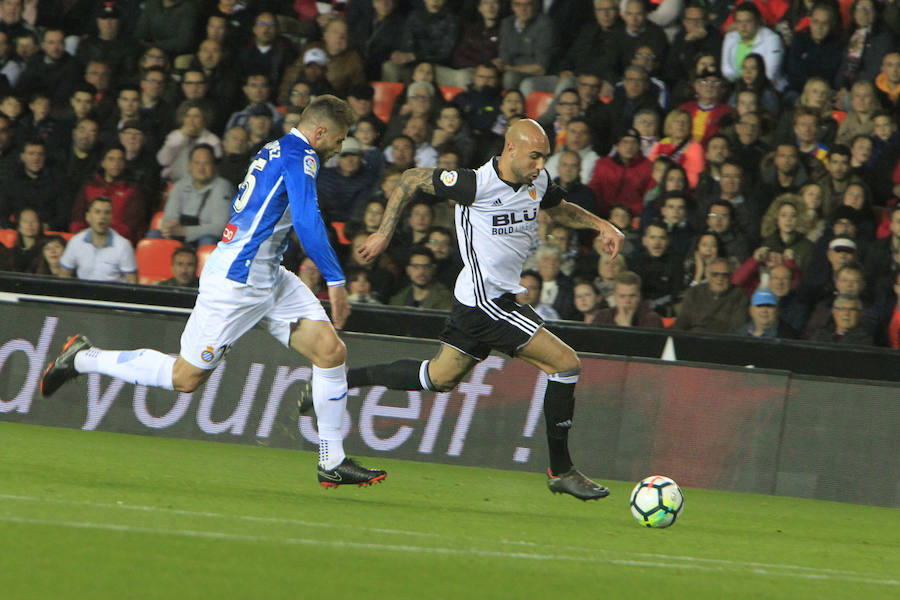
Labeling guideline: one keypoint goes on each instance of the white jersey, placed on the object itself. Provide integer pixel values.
(496, 228)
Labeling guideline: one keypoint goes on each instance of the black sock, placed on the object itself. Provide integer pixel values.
(559, 408)
(402, 374)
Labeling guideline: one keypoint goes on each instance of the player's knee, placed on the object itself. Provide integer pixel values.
(332, 353)
(569, 363)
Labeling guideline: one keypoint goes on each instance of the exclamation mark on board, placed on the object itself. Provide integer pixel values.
(534, 412)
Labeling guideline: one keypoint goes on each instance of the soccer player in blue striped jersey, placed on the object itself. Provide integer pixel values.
(243, 285)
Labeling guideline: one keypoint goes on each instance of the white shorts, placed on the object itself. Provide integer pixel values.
(226, 310)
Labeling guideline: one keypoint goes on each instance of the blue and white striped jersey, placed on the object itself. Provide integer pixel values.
(278, 191)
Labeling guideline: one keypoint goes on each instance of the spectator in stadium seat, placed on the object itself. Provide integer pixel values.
(732, 189)
(37, 122)
(450, 129)
(848, 279)
(718, 150)
(817, 51)
(361, 99)
(195, 87)
(375, 31)
(868, 41)
(587, 301)
(430, 34)
(35, 184)
(233, 165)
(531, 281)
(479, 43)
(659, 268)
(81, 158)
(674, 216)
(98, 74)
(192, 120)
(53, 69)
(526, 45)
(782, 230)
(52, 249)
(419, 221)
(847, 326)
(631, 97)
(221, 80)
(345, 67)
(99, 253)
(199, 204)
(703, 250)
(858, 120)
(359, 287)
(128, 108)
(81, 106)
(783, 172)
(557, 288)
(884, 317)
(256, 89)
(719, 221)
(342, 189)
(635, 31)
(140, 163)
(589, 51)
(447, 260)
(260, 129)
(109, 44)
(168, 24)
(818, 282)
(11, 21)
(630, 309)
(382, 273)
(569, 178)
(423, 291)
(696, 36)
(708, 110)
(887, 84)
(747, 147)
(129, 212)
(623, 177)
(577, 138)
(678, 145)
(400, 154)
(153, 105)
(881, 262)
(764, 319)
(268, 51)
(750, 31)
(184, 268)
(416, 130)
(26, 249)
(715, 306)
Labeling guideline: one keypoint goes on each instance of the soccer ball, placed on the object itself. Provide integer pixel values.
(656, 501)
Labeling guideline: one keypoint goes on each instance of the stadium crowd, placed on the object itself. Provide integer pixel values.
(749, 152)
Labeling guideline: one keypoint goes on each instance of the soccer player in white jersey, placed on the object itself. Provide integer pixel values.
(243, 285)
(496, 225)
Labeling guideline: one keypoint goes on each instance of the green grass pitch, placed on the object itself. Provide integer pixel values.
(102, 515)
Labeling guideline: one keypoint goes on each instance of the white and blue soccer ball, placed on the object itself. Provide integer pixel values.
(656, 501)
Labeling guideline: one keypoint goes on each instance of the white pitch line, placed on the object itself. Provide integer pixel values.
(639, 558)
(219, 535)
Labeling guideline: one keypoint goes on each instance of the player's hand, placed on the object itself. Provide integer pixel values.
(340, 306)
(372, 247)
(611, 239)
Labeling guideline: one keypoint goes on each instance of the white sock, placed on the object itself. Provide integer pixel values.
(140, 367)
(329, 391)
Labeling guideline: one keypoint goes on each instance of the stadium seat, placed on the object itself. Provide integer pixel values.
(386, 93)
(203, 253)
(8, 237)
(668, 321)
(65, 234)
(156, 221)
(338, 227)
(838, 116)
(449, 92)
(536, 104)
(154, 259)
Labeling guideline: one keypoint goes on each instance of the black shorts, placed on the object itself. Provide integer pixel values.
(503, 324)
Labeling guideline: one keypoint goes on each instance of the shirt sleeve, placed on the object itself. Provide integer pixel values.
(553, 196)
(128, 264)
(300, 181)
(69, 258)
(458, 185)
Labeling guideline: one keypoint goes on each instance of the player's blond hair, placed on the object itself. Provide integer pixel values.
(328, 108)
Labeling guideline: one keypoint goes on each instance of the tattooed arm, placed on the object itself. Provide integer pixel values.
(412, 181)
(572, 215)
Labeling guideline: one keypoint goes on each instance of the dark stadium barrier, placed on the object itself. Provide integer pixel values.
(728, 428)
(830, 360)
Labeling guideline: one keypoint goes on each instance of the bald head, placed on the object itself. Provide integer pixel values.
(526, 131)
(525, 151)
